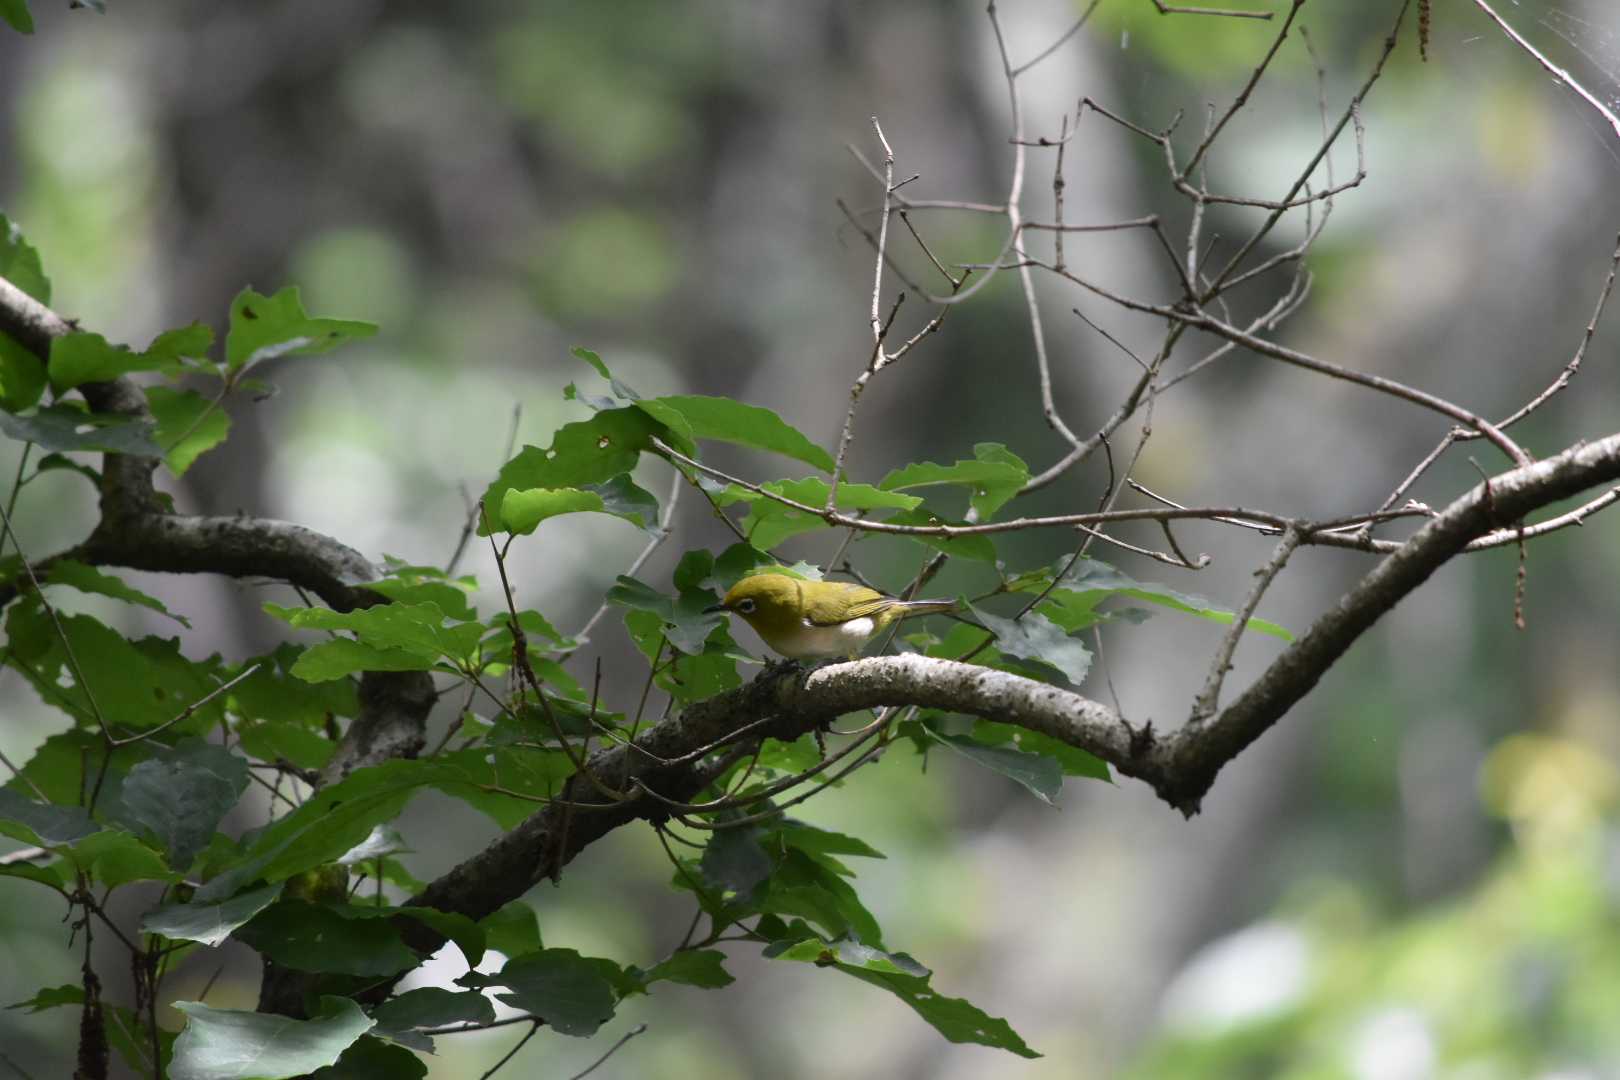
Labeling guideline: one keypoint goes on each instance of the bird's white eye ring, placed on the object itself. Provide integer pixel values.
(746, 606)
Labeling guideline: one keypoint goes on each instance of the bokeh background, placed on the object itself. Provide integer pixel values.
(1416, 874)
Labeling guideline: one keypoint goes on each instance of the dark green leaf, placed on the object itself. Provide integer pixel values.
(686, 624)
(1035, 637)
(725, 420)
(87, 579)
(992, 478)
(734, 860)
(1041, 776)
(805, 886)
(815, 841)
(227, 1044)
(572, 993)
(622, 498)
(694, 967)
(263, 327)
(188, 425)
(512, 929)
(209, 923)
(49, 876)
(61, 462)
(68, 427)
(1071, 759)
(15, 13)
(182, 794)
(1088, 578)
(138, 684)
(52, 997)
(372, 1059)
(957, 1020)
(316, 937)
(733, 564)
(42, 823)
(433, 1006)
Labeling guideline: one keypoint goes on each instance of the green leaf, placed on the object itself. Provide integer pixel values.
(725, 420)
(582, 453)
(852, 954)
(263, 327)
(188, 425)
(1089, 581)
(87, 579)
(979, 548)
(420, 584)
(52, 997)
(1040, 776)
(209, 923)
(22, 375)
(685, 623)
(397, 637)
(994, 476)
(182, 794)
(810, 888)
(694, 967)
(114, 857)
(808, 838)
(42, 823)
(48, 876)
(19, 261)
(61, 462)
(1035, 637)
(318, 937)
(369, 1058)
(769, 522)
(82, 357)
(432, 1006)
(329, 823)
(68, 427)
(957, 1020)
(572, 993)
(512, 929)
(522, 510)
(227, 1044)
(622, 498)
(734, 861)
(15, 12)
(1071, 759)
(399, 1018)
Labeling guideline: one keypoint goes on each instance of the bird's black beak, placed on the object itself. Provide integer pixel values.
(713, 608)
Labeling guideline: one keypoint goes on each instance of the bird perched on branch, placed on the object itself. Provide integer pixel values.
(813, 620)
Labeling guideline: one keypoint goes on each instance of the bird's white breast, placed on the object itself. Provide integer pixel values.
(809, 642)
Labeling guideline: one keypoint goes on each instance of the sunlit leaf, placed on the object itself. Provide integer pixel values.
(19, 261)
(994, 476)
(263, 327)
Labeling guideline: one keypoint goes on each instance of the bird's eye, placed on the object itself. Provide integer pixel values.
(746, 606)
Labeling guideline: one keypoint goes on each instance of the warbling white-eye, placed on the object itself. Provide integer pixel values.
(812, 620)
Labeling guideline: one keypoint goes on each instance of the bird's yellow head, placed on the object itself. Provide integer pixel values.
(773, 604)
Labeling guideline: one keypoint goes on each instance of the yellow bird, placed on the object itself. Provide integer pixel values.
(813, 620)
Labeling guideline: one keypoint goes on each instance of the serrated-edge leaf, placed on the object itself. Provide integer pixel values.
(230, 1044)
